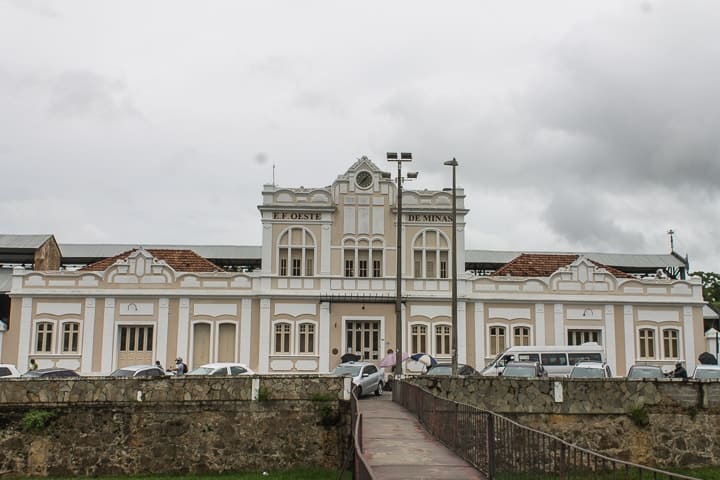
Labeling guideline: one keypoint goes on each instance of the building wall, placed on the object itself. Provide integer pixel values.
(192, 313)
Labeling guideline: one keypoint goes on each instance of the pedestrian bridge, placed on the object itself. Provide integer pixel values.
(421, 436)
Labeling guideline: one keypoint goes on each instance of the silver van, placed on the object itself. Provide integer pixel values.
(557, 360)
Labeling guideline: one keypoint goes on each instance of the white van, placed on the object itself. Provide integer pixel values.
(557, 360)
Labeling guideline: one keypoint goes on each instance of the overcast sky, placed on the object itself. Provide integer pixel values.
(578, 126)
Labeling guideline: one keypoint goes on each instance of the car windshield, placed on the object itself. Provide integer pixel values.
(645, 373)
(519, 371)
(122, 373)
(347, 370)
(707, 373)
(202, 371)
(584, 372)
(440, 370)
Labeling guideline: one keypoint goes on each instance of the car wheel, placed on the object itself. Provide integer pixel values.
(379, 390)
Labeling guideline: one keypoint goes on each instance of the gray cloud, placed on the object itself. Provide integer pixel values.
(82, 93)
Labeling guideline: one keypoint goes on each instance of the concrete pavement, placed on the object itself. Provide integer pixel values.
(396, 446)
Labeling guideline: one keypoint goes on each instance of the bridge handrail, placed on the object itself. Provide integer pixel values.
(495, 444)
(361, 468)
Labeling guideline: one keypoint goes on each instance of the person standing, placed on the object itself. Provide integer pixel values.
(679, 371)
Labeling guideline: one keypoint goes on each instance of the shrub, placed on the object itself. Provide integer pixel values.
(36, 420)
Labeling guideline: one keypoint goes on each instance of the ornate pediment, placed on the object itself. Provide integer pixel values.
(140, 267)
(583, 275)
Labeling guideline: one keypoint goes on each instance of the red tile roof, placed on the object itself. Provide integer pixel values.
(179, 260)
(544, 265)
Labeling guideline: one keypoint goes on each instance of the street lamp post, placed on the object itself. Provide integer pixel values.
(404, 157)
(453, 163)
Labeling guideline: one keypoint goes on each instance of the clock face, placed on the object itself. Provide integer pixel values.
(363, 179)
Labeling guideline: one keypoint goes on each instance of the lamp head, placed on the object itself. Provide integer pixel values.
(405, 156)
(392, 156)
(412, 174)
(452, 163)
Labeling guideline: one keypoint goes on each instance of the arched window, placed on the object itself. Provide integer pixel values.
(306, 338)
(44, 337)
(647, 342)
(362, 258)
(442, 339)
(430, 254)
(497, 340)
(296, 253)
(671, 343)
(418, 338)
(282, 337)
(71, 335)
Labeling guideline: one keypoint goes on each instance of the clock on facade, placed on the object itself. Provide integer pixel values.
(363, 179)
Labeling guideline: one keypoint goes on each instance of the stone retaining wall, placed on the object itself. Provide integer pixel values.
(191, 425)
(662, 423)
(555, 396)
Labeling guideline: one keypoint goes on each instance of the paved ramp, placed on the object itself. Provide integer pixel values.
(398, 447)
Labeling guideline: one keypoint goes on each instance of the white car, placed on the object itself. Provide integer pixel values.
(226, 368)
(8, 371)
(139, 371)
(591, 370)
(365, 377)
(706, 371)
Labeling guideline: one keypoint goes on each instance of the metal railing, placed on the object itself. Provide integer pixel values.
(501, 448)
(361, 469)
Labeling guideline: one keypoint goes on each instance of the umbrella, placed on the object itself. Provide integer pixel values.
(424, 358)
(707, 358)
(390, 359)
(349, 357)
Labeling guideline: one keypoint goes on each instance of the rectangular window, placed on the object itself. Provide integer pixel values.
(136, 339)
(309, 266)
(71, 333)
(430, 267)
(497, 340)
(295, 267)
(521, 336)
(578, 337)
(584, 357)
(418, 264)
(363, 268)
(442, 340)
(44, 337)
(647, 343)
(553, 359)
(349, 272)
(363, 338)
(306, 343)
(282, 338)
(443, 269)
(377, 273)
(419, 339)
(283, 267)
(671, 343)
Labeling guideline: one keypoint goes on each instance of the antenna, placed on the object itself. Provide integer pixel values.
(273, 174)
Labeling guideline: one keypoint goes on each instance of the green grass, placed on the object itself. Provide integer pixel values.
(296, 474)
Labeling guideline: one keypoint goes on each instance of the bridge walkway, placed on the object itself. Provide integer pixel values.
(396, 446)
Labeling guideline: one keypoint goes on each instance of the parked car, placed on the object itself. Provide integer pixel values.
(591, 370)
(524, 370)
(50, 373)
(365, 376)
(222, 369)
(445, 369)
(706, 371)
(139, 371)
(639, 372)
(8, 371)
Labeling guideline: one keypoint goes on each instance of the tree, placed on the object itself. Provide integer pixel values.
(711, 287)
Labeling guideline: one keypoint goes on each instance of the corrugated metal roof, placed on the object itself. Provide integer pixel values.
(628, 260)
(104, 250)
(20, 242)
(5, 279)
